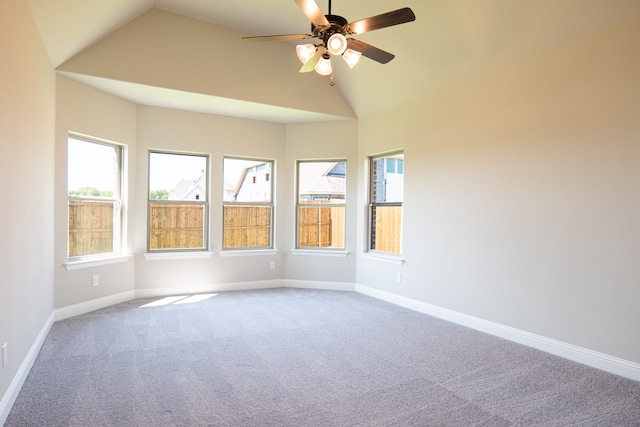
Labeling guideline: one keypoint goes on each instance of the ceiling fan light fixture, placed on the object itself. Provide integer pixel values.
(324, 67)
(332, 30)
(305, 52)
(351, 57)
(337, 44)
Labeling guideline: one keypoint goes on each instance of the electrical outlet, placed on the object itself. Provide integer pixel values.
(272, 265)
(4, 355)
(96, 280)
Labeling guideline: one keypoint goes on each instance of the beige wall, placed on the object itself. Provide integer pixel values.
(174, 52)
(318, 141)
(84, 110)
(160, 128)
(521, 195)
(88, 111)
(27, 112)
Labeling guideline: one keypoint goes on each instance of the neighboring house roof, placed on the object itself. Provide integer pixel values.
(260, 188)
(323, 179)
(229, 190)
(320, 179)
(188, 188)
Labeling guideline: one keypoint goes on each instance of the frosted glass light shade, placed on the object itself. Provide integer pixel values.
(351, 57)
(305, 52)
(324, 67)
(336, 44)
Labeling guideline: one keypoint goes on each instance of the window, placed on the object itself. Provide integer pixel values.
(321, 204)
(178, 201)
(94, 197)
(385, 202)
(247, 203)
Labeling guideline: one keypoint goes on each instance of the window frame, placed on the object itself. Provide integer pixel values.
(270, 204)
(204, 203)
(373, 205)
(299, 205)
(117, 199)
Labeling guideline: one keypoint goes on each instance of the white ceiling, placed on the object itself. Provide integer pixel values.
(450, 41)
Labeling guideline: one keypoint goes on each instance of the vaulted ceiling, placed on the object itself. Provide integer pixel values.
(187, 54)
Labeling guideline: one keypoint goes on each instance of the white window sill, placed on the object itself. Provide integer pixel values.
(163, 256)
(248, 252)
(381, 257)
(95, 262)
(319, 252)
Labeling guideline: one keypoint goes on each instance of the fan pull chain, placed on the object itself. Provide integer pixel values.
(332, 79)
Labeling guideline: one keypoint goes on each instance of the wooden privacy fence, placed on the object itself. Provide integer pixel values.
(181, 226)
(321, 226)
(247, 226)
(176, 225)
(90, 227)
(387, 232)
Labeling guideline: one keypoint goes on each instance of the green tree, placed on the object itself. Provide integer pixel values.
(90, 191)
(159, 195)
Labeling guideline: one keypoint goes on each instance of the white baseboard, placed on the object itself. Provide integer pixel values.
(605, 362)
(243, 286)
(203, 289)
(12, 392)
(96, 304)
(314, 284)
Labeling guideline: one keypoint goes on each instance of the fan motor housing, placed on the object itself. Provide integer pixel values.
(337, 27)
(337, 19)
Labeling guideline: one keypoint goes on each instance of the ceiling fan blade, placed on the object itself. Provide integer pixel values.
(369, 51)
(310, 65)
(384, 20)
(313, 12)
(277, 37)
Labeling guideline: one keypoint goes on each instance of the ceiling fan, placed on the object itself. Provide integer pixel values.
(332, 30)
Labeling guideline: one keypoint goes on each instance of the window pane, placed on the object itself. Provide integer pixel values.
(177, 176)
(247, 200)
(247, 180)
(93, 169)
(387, 179)
(176, 225)
(178, 209)
(321, 204)
(391, 165)
(91, 227)
(247, 226)
(94, 206)
(322, 182)
(320, 227)
(386, 228)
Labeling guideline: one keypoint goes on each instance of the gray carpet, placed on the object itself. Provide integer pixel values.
(292, 357)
